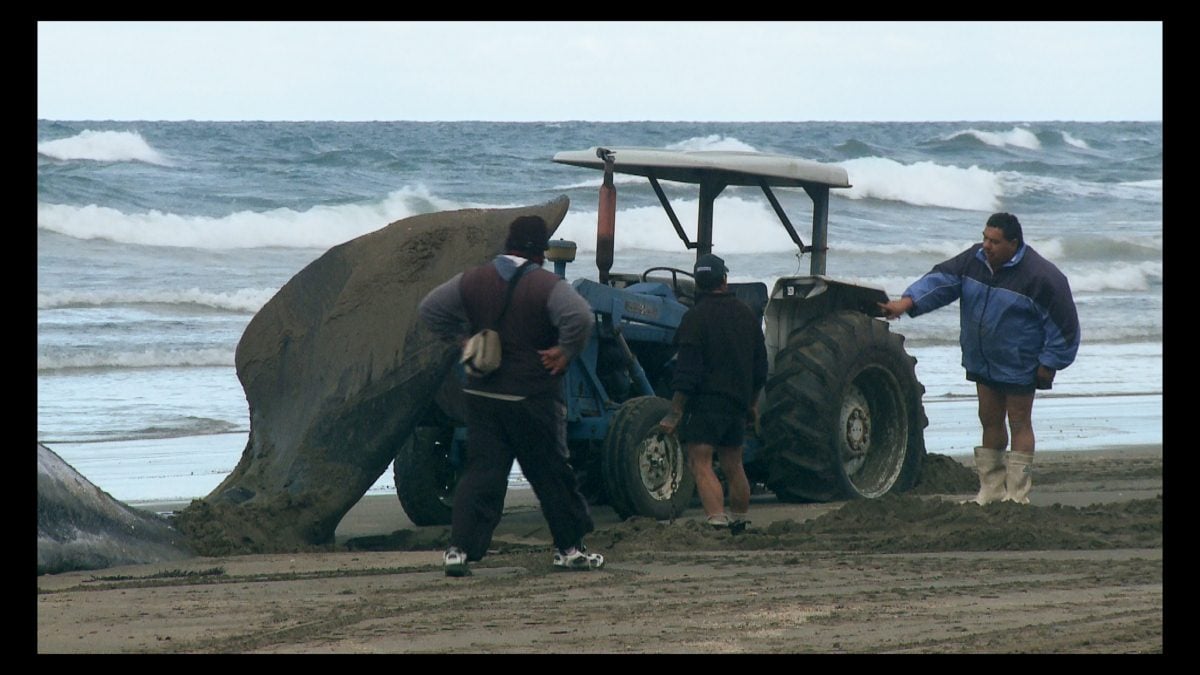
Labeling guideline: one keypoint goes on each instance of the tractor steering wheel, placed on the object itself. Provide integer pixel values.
(675, 272)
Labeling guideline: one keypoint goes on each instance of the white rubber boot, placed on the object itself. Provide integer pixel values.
(990, 465)
(1019, 478)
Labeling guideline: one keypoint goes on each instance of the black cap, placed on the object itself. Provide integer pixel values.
(710, 271)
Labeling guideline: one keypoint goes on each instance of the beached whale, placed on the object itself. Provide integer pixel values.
(337, 371)
(81, 527)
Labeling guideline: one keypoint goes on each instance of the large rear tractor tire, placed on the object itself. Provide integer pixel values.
(843, 416)
(426, 476)
(645, 471)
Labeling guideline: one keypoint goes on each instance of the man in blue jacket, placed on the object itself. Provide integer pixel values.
(1018, 328)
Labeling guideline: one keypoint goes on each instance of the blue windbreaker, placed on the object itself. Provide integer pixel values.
(1011, 321)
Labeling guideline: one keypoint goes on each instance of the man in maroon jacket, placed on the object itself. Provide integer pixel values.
(517, 411)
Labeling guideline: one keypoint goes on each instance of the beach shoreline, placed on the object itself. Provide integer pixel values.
(149, 471)
(376, 514)
(1080, 570)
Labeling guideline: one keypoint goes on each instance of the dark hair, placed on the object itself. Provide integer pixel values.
(1009, 225)
(528, 235)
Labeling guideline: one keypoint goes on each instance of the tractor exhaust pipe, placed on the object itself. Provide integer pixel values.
(606, 216)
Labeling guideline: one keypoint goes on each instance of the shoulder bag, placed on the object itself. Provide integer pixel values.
(481, 353)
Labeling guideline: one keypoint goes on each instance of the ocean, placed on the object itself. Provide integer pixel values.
(158, 241)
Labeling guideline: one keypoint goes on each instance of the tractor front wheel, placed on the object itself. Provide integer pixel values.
(645, 471)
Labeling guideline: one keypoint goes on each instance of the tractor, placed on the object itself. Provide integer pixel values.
(841, 413)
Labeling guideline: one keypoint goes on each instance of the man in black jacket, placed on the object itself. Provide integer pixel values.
(517, 411)
(721, 365)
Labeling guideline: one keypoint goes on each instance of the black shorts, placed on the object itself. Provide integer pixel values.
(1003, 387)
(719, 423)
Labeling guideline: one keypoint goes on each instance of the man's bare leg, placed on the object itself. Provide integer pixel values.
(990, 455)
(992, 411)
(1019, 479)
(700, 459)
(735, 476)
(1020, 421)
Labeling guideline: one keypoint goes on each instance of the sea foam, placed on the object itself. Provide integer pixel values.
(103, 146)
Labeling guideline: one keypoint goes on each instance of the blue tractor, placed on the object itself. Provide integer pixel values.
(841, 415)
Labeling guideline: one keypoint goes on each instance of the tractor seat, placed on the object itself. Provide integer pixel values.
(754, 294)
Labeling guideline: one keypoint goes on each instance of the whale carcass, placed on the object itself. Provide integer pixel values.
(81, 527)
(337, 371)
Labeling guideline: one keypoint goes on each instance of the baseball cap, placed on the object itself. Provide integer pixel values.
(709, 271)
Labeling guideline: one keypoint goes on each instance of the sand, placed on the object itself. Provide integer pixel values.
(1079, 570)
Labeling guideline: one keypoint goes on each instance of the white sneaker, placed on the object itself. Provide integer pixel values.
(718, 520)
(577, 558)
(454, 561)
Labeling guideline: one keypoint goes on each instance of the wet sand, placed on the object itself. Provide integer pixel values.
(1080, 570)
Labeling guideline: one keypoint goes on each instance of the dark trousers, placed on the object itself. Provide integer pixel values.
(533, 432)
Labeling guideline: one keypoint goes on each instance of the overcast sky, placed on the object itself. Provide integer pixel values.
(531, 71)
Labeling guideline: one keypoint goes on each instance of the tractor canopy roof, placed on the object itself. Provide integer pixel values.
(700, 166)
